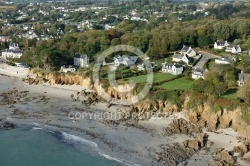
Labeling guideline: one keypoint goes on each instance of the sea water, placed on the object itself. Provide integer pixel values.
(34, 146)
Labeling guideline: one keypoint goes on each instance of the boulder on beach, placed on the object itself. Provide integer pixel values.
(7, 125)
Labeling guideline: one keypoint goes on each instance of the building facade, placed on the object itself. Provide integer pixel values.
(12, 52)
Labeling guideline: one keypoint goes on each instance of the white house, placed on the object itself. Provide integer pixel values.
(81, 60)
(4, 38)
(142, 67)
(30, 35)
(242, 77)
(186, 59)
(174, 69)
(188, 51)
(60, 32)
(67, 69)
(198, 73)
(13, 52)
(21, 65)
(177, 57)
(233, 49)
(220, 44)
(125, 60)
(26, 27)
(107, 26)
(225, 60)
(182, 57)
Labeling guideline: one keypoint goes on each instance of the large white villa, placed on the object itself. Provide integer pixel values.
(12, 52)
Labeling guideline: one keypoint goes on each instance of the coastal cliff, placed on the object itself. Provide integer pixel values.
(205, 117)
(202, 116)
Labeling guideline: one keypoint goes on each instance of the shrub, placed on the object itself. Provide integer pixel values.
(173, 97)
(246, 117)
(162, 95)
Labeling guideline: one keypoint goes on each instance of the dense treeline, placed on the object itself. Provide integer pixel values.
(155, 43)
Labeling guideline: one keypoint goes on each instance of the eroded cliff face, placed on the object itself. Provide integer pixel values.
(121, 92)
(213, 121)
(64, 79)
(203, 116)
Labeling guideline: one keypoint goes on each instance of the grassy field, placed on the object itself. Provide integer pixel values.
(246, 117)
(157, 77)
(178, 84)
(2, 8)
(230, 94)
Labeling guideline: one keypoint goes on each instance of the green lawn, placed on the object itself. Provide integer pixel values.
(230, 94)
(157, 77)
(178, 84)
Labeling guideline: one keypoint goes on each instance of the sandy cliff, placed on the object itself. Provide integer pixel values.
(203, 116)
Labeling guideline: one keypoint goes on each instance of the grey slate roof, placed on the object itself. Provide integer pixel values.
(243, 76)
(220, 42)
(80, 56)
(184, 48)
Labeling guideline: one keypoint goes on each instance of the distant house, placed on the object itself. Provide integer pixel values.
(220, 44)
(198, 73)
(233, 49)
(66, 69)
(125, 60)
(200, 9)
(225, 60)
(182, 57)
(4, 38)
(60, 32)
(188, 51)
(141, 66)
(81, 60)
(177, 57)
(26, 27)
(45, 37)
(171, 68)
(186, 59)
(107, 26)
(21, 65)
(242, 77)
(30, 35)
(13, 52)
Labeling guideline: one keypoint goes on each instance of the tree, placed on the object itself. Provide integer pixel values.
(175, 41)
(203, 41)
(243, 29)
(213, 84)
(221, 31)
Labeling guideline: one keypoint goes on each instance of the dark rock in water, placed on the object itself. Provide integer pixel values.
(7, 125)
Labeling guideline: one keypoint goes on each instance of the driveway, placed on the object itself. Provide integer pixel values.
(205, 56)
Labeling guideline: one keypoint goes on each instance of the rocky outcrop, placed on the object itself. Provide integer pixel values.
(198, 143)
(242, 149)
(7, 125)
(15, 96)
(182, 126)
(180, 152)
(223, 158)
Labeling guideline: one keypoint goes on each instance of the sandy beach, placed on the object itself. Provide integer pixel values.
(59, 108)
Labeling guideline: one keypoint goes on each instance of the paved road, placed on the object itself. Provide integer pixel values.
(205, 56)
